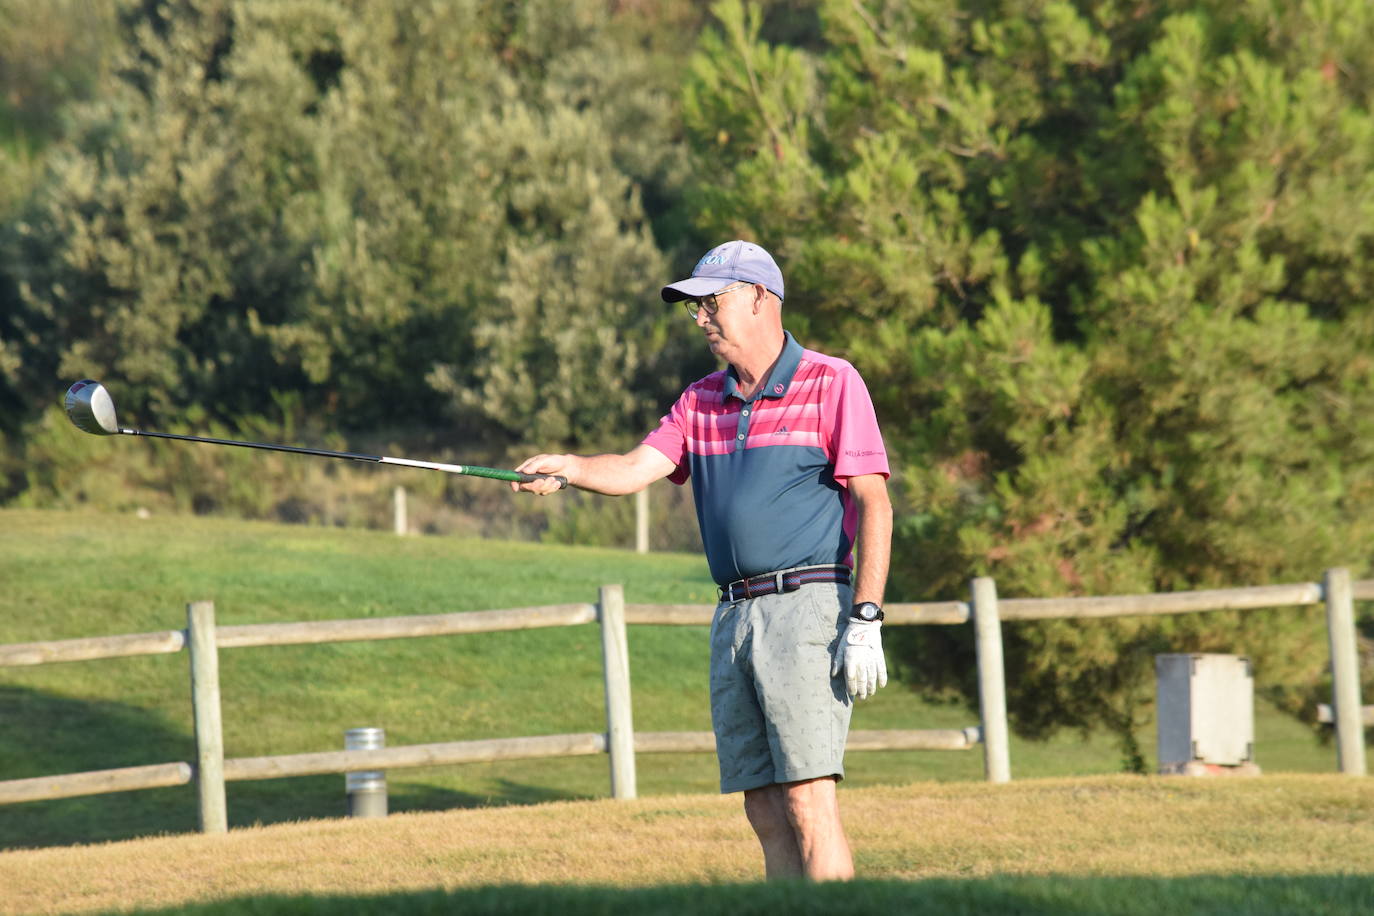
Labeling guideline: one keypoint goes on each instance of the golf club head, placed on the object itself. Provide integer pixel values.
(90, 409)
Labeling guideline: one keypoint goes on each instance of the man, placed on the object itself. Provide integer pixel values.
(788, 471)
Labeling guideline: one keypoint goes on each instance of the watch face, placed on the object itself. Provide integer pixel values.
(866, 611)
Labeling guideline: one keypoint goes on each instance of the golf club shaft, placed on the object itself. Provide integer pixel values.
(467, 469)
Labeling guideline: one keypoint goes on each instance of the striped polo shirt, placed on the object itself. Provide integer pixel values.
(770, 474)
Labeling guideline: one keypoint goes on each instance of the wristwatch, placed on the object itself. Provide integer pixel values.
(867, 612)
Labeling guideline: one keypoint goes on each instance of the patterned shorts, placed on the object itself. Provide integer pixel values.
(778, 714)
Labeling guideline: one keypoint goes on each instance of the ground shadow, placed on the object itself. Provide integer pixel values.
(1331, 895)
(46, 735)
(276, 801)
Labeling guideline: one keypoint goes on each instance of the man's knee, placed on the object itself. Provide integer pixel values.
(766, 809)
(811, 803)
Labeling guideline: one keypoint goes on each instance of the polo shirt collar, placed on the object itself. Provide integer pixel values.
(780, 379)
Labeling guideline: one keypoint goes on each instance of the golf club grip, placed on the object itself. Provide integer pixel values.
(515, 476)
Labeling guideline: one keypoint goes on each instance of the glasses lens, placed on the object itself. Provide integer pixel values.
(709, 304)
(705, 304)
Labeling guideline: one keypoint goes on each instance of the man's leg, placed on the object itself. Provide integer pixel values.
(766, 809)
(798, 826)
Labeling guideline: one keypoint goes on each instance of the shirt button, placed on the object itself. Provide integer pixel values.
(740, 436)
(746, 411)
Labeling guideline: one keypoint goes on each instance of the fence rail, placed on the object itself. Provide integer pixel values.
(984, 610)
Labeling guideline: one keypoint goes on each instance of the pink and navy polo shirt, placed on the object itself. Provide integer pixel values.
(770, 475)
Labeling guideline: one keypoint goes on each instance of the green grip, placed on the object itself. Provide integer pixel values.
(516, 476)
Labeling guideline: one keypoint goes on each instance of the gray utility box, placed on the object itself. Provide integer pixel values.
(1205, 705)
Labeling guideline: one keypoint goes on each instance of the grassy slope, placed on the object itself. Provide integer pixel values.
(71, 574)
(1128, 845)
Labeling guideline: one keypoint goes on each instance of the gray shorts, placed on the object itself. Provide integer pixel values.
(778, 714)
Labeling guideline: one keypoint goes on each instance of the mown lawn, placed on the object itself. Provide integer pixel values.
(1093, 845)
(69, 575)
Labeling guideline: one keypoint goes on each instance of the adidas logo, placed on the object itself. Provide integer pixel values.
(781, 431)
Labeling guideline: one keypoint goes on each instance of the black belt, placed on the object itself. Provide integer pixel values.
(784, 580)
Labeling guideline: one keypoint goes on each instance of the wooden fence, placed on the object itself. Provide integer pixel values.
(211, 770)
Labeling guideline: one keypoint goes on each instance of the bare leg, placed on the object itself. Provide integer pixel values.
(766, 809)
(798, 825)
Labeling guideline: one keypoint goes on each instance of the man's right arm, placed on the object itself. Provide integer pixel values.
(610, 475)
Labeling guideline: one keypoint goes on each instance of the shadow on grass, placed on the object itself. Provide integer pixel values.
(46, 735)
(1213, 894)
(276, 801)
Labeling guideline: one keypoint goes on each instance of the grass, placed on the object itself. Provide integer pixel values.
(72, 574)
(1109, 845)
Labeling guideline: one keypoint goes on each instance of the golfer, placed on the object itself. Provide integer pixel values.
(789, 473)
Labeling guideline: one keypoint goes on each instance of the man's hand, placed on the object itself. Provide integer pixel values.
(556, 465)
(609, 475)
(860, 657)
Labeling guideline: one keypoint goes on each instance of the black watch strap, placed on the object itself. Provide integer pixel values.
(866, 611)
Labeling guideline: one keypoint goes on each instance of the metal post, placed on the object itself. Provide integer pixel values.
(398, 505)
(615, 657)
(642, 521)
(1345, 672)
(992, 688)
(366, 788)
(205, 706)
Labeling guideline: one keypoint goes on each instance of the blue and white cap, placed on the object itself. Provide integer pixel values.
(723, 265)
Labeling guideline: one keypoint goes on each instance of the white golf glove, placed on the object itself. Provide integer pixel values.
(860, 657)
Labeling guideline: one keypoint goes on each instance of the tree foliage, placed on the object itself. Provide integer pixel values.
(1107, 272)
(403, 212)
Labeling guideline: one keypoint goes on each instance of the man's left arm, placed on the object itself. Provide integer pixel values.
(859, 656)
(874, 536)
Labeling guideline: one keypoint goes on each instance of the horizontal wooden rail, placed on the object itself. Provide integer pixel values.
(323, 631)
(699, 615)
(686, 615)
(946, 739)
(1326, 715)
(96, 782)
(575, 745)
(936, 612)
(89, 649)
(945, 612)
(99, 782)
(1225, 599)
(414, 755)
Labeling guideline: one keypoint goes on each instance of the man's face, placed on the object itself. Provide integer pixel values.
(725, 317)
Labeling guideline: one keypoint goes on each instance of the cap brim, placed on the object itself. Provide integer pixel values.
(694, 288)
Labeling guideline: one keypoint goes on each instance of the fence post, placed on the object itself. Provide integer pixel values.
(1345, 672)
(615, 658)
(399, 523)
(642, 521)
(205, 706)
(992, 688)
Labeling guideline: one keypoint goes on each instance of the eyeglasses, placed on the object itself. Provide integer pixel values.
(710, 304)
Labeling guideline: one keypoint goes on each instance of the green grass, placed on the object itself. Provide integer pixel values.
(1053, 896)
(1100, 844)
(70, 575)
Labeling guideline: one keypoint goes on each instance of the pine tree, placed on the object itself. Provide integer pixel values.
(1106, 271)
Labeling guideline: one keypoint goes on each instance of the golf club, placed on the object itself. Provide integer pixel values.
(91, 410)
